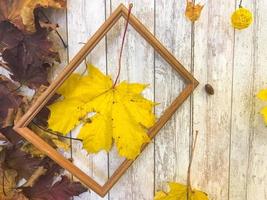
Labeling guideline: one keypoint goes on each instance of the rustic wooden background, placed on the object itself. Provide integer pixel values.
(230, 158)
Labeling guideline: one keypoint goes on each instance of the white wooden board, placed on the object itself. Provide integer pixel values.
(230, 160)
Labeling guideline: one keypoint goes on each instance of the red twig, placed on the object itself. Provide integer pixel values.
(122, 44)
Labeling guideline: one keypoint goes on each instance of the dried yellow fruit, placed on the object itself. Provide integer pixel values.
(241, 18)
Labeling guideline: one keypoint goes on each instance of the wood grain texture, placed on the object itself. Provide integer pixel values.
(257, 169)
(213, 64)
(230, 158)
(137, 66)
(172, 143)
(84, 18)
(242, 109)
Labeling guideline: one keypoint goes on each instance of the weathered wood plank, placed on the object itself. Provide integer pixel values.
(172, 143)
(257, 170)
(84, 18)
(137, 66)
(242, 108)
(214, 41)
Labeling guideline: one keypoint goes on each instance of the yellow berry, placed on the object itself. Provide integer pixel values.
(241, 18)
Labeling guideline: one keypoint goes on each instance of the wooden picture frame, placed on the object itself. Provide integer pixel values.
(29, 135)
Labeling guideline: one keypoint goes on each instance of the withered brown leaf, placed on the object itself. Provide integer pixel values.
(21, 12)
(10, 101)
(29, 57)
(44, 189)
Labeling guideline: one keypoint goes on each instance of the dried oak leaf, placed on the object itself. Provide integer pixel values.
(180, 191)
(10, 101)
(31, 58)
(10, 36)
(106, 112)
(193, 11)
(13, 137)
(44, 189)
(21, 12)
(21, 161)
(7, 183)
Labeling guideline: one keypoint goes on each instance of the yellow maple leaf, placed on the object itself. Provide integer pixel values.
(193, 11)
(263, 96)
(179, 192)
(107, 113)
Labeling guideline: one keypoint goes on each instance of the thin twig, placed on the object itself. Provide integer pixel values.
(193, 146)
(54, 133)
(15, 90)
(122, 43)
(3, 184)
(240, 3)
(60, 37)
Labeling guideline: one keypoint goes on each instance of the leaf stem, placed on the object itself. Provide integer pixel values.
(54, 133)
(193, 146)
(122, 43)
(58, 34)
(240, 3)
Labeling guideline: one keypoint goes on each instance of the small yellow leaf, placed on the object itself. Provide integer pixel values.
(193, 11)
(120, 114)
(241, 18)
(264, 114)
(262, 95)
(180, 192)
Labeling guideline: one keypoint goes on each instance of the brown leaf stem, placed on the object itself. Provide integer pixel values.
(122, 44)
(193, 146)
(54, 133)
(58, 34)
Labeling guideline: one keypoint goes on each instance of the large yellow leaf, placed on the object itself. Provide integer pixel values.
(180, 192)
(121, 113)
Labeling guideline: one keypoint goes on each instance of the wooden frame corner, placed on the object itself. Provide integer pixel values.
(24, 131)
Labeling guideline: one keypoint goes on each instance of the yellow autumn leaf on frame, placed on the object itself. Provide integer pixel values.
(193, 11)
(180, 192)
(120, 114)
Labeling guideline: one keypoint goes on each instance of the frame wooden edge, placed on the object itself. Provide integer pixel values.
(59, 159)
(21, 125)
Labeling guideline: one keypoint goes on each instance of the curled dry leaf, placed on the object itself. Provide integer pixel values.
(10, 101)
(121, 111)
(21, 161)
(193, 11)
(45, 188)
(181, 192)
(7, 183)
(21, 12)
